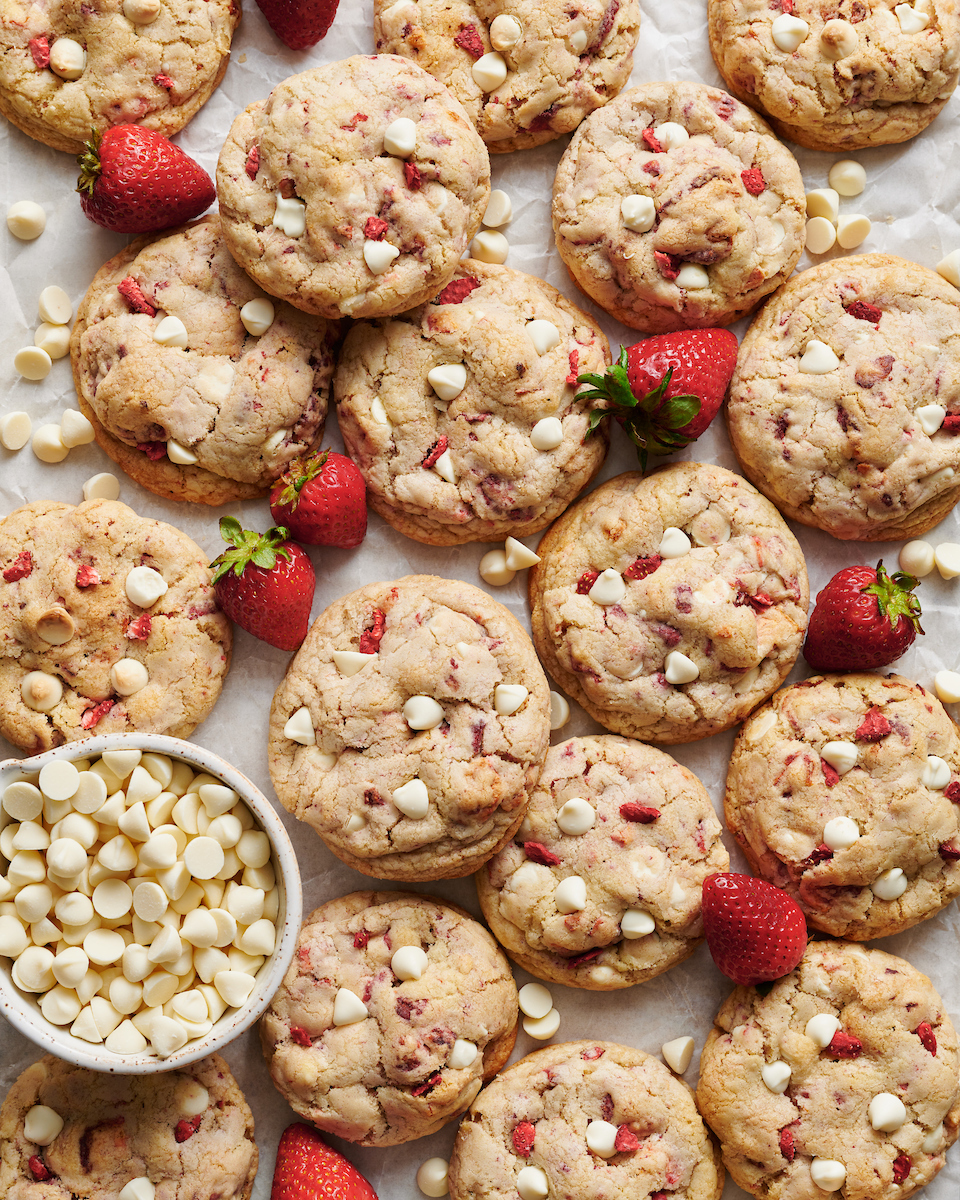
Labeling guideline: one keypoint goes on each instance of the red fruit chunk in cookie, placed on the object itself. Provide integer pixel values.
(755, 931)
(951, 423)
(252, 165)
(469, 39)
(300, 1036)
(626, 1141)
(864, 311)
(428, 1085)
(370, 638)
(572, 376)
(538, 853)
(901, 1167)
(185, 1129)
(20, 568)
(949, 851)
(651, 141)
(667, 264)
(94, 715)
(163, 81)
(928, 1039)
(845, 1045)
(87, 576)
(39, 1169)
(952, 792)
(438, 448)
(588, 956)
(139, 629)
(412, 178)
(457, 290)
(137, 302)
(640, 568)
(873, 728)
(831, 776)
(631, 811)
(819, 854)
(523, 1138)
(586, 582)
(753, 181)
(375, 229)
(786, 1144)
(153, 450)
(40, 52)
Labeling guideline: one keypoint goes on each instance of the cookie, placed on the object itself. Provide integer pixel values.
(675, 207)
(841, 1079)
(526, 73)
(844, 790)
(197, 385)
(108, 624)
(842, 406)
(570, 907)
(410, 728)
(585, 1119)
(840, 78)
(68, 68)
(462, 414)
(669, 606)
(354, 188)
(432, 1014)
(66, 1131)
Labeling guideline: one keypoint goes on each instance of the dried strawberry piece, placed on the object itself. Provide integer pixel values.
(370, 638)
(786, 1144)
(372, 797)
(593, 1053)
(951, 423)
(186, 1129)
(573, 358)
(901, 1167)
(412, 177)
(831, 776)
(864, 311)
(469, 39)
(523, 1138)
(786, 6)
(360, 939)
(137, 302)
(928, 1039)
(586, 582)
(428, 1084)
(457, 290)
(626, 1141)
(588, 956)
(667, 264)
(439, 447)
(753, 181)
(845, 1045)
(631, 811)
(641, 567)
(20, 568)
(538, 853)
(87, 576)
(949, 851)
(40, 53)
(760, 602)
(375, 229)
(153, 450)
(821, 853)
(138, 630)
(952, 792)
(94, 715)
(299, 1035)
(39, 1169)
(873, 727)
(651, 140)
(252, 165)
(163, 81)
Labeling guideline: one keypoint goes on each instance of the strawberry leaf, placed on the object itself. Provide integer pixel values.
(260, 549)
(299, 473)
(895, 598)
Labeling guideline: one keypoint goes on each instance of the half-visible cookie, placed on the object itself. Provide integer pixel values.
(669, 606)
(600, 887)
(396, 1009)
(462, 414)
(410, 728)
(842, 1079)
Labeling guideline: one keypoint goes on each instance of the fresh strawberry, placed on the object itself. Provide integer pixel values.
(322, 500)
(755, 932)
(667, 389)
(299, 23)
(265, 584)
(308, 1169)
(133, 180)
(863, 618)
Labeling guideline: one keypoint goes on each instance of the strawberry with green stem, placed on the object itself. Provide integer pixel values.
(322, 500)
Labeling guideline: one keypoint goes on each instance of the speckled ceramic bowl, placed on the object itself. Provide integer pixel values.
(22, 1008)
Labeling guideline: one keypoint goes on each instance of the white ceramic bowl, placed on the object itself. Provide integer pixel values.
(22, 1009)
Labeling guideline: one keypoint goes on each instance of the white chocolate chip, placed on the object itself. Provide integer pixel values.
(609, 588)
(462, 1055)
(42, 1124)
(15, 430)
(692, 277)
(776, 1075)
(351, 662)
(59, 779)
(936, 773)
(180, 454)
(412, 799)
(544, 335)
(817, 359)
(203, 857)
(852, 230)
(75, 429)
(103, 486)
(444, 467)
(788, 32)
(299, 728)
(916, 558)
(543, 1028)
(678, 668)
(889, 885)
(823, 202)
(508, 698)
(674, 543)
(448, 380)
(494, 570)
(638, 213)
(570, 895)
(499, 208)
(432, 1176)
(40, 691)
(378, 412)
(33, 363)
(54, 306)
(257, 315)
(821, 235)
(930, 417)
(26, 220)
(838, 39)
(636, 923)
(547, 434)
(355, 823)
(505, 32)
(678, 1053)
(911, 19)
(141, 12)
(128, 676)
(144, 586)
(489, 71)
(68, 59)
(947, 686)
(670, 135)
(821, 1028)
(518, 556)
(949, 268)
(171, 331)
(532, 1183)
(400, 137)
(422, 712)
(576, 817)
(933, 1142)
(887, 1112)
(601, 1138)
(490, 247)
(348, 1008)
(840, 833)
(847, 177)
(946, 557)
(842, 756)
(409, 962)
(559, 711)
(535, 1000)
(290, 216)
(828, 1174)
(379, 256)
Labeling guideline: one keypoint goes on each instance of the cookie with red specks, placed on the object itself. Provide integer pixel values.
(108, 624)
(842, 1079)
(66, 1131)
(433, 1016)
(600, 886)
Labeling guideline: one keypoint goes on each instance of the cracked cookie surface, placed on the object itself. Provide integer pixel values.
(536, 1114)
(653, 840)
(394, 423)
(892, 1037)
(732, 601)
(561, 62)
(844, 449)
(675, 207)
(781, 794)
(392, 1076)
(311, 159)
(442, 641)
(243, 406)
(63, 571)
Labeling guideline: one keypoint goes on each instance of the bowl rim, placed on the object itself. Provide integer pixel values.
(22, 1009)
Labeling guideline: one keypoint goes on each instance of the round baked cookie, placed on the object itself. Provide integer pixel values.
(675, 207)
(108, 624)
(509, 451)
(841, 1079)
(418, 1047)
(143, 62)
(570, 907)
(220, 417)
(841, 77)
(540, 1115)
(669, 605)
(843, 406)
(188, 1132)
(844, 790)
(559, 62)
(414, 761)
(354, 188)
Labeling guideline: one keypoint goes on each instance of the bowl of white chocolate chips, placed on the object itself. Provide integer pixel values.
(150, 901)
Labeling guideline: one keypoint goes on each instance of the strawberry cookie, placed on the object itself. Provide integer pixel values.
(675, 207)
(198, 385)
(354, 188)
(68, 68)
(669, 606)
(397, 1008)
(108, 624)
(585, 1119)
(841, 1079)
(570, 907)
(462, 414)
(843, 407)
(839, 77)
(67, 1132)
(844, 790)
(410, 728)
(526, 72)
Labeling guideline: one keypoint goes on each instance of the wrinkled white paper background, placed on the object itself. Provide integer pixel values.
(912, 196)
